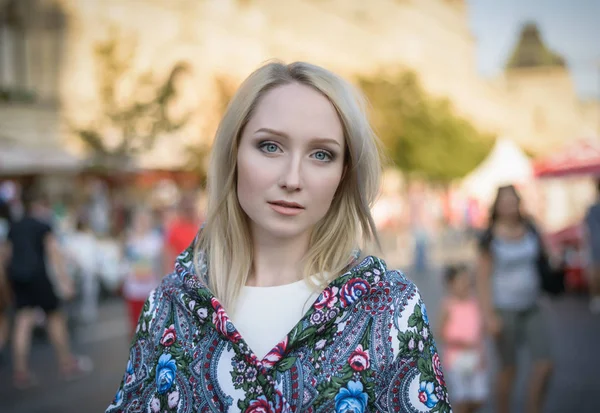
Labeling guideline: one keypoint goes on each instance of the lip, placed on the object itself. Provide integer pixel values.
(286, 208)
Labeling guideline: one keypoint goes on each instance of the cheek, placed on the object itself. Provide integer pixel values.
(252, 178)
(325, 185)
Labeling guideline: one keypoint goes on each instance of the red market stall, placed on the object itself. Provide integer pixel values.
(579, 159)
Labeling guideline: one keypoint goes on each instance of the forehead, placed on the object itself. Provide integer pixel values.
(299, 111)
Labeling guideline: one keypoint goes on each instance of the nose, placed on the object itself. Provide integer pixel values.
(291, 175)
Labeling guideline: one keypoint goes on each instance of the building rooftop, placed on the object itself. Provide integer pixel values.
(531, 51)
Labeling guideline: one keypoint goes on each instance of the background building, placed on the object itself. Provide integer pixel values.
(48, 72)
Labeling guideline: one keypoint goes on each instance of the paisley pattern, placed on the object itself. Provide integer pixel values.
(365, 345)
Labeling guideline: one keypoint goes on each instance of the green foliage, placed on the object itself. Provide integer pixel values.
(422, 135)
(137, 120)
(16, 95)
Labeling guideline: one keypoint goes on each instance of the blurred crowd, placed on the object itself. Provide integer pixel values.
(59, 259)
(54, 252)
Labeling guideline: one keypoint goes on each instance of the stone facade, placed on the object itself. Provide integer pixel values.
(535, 106)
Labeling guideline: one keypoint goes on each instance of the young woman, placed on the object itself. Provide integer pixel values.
(510, 285)
(270, 310)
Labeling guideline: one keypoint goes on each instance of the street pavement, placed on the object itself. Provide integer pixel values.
(575, 336)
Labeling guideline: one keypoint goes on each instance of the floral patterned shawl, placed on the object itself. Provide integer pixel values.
(365, 345)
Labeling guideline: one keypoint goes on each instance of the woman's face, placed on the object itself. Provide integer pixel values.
(508, 204)
(290, 162)
(461, 285)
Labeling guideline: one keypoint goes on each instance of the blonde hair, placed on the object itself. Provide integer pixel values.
(225, 243)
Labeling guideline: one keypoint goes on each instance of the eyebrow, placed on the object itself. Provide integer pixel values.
(284, 135)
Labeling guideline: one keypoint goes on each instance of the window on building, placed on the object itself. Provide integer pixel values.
(13, 73)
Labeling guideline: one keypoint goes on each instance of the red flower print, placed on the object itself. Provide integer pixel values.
(169, 336)
(222, 322)
(359, 359)
(276, 354)
(437, 368)
(353, 290)
(280, 405)
(327, 298)
(260, 405)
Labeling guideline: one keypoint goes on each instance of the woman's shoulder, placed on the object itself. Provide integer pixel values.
(373, 274)
(381, 277)
(170, 286)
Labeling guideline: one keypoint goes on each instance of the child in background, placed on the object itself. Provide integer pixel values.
(143, 253)
(461, 339)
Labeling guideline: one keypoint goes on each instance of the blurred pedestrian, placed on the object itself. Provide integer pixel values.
(181, 231)
(592, 232)
(5, 293)
(419, 229)
(143, 256)
(82, 247)
(461, 337)
(32, 256)
(270, 309)
(512, 261)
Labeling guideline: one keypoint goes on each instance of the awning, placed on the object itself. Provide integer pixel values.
(580, 158)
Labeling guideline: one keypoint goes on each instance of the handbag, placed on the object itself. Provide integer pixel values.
(552, 279)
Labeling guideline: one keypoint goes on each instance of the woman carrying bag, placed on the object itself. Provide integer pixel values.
(514, 272)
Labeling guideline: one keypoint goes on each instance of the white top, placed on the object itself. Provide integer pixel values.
(265, 315)
(143, 255)
(82, 248)
(515, 280)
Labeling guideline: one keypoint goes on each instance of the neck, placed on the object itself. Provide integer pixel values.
(510, 221)
(277, 261)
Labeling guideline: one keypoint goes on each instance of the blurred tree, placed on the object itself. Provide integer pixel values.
(198, 153)
(422, 135)
(135, 109)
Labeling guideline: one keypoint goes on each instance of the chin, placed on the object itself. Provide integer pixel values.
(283, 230)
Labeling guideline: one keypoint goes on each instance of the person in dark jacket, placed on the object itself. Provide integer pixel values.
(32, 256)
(592, 232)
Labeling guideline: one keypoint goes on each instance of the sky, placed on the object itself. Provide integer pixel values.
(569, 27)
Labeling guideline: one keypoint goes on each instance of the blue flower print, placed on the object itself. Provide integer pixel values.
(426, 394)
(424, 313)
(351, 399)
(129, 367)
(118, 397)
(165, 373)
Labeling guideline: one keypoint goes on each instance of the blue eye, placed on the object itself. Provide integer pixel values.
(322, 156)
(269, 147)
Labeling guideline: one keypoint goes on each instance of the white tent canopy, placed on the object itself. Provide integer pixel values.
(506, 164)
